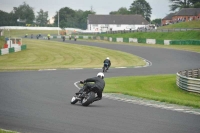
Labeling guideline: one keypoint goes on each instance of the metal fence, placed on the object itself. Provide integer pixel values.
(189, 80)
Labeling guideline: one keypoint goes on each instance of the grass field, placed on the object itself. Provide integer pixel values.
(183, 25)
(178, 35)
(43, 54)
(156, 87)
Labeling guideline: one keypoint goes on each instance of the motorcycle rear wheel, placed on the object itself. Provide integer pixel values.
(88, 99)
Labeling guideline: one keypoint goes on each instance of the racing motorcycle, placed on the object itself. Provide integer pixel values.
(105, 67)
(63, 38)
(85, 97)
(75, 38)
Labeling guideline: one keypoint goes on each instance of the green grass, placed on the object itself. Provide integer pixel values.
(6, 131)
(2, 41)
(157, 87)
(179, 35)
(51, 54)
(183, 25)
(20, 33)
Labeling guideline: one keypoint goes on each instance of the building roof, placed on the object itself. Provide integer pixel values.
(169, 16)
(188, 12)
(117, 19)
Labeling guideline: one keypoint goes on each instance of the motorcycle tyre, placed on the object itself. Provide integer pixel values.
(87, 101)
(74, 100)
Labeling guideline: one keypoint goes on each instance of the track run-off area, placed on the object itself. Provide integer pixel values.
(39, 101)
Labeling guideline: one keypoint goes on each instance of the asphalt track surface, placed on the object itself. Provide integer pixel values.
(39, 101)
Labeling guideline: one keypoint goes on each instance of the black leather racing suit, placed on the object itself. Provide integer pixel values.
(98, 86)
(108, 62)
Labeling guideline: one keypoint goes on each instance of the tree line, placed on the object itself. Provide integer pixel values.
(24, 15)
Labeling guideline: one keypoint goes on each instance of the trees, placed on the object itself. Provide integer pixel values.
(66, 17)
(137, 7)
(72, 18)
(141, 7)
(157, 21)
(82, 18)
(42, 18)
(179, 4)
(24, 12)
(122, 10)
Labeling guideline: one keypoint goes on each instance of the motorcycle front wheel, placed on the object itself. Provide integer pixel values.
(74, 100)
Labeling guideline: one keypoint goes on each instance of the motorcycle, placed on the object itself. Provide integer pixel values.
(74, 39)
(48, 37)
(63, 39)
(105, 67)
(86, 97)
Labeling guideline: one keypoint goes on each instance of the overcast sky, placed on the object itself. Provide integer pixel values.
(160, 8)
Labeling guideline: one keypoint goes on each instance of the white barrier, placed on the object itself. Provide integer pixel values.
(85, 37)
(17, 49)
(4, 51)
(151, 41)
(133, 40)
(110, 39)
(119, 39)
(167, 42)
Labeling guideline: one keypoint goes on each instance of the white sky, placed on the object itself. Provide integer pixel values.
(160, 8)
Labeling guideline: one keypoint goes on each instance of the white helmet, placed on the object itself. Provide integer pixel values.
(108, 58)
(100, 74)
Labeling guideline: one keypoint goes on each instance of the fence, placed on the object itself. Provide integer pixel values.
(189, 80)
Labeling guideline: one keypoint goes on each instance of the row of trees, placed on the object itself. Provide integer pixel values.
(24, 15)
(179, 4)
(141, 7)
(68, 17)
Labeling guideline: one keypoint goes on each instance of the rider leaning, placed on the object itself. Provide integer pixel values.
(107, 62)
(98, 85)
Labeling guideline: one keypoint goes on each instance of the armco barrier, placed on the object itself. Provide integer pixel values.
(185, 42)
(189, 80)
(114, 39)
(141, 40)
(144, 40)
(159, 41)
(126, 40)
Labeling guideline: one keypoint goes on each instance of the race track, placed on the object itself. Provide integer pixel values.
(39, 101)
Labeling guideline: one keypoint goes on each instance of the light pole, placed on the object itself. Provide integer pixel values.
(58, 22)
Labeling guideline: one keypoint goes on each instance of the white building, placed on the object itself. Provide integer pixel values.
(103, 23)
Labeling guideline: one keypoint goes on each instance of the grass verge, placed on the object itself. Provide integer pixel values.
(43, 54)
(156, 87)
(7, 131)
(178, 35)
(182, 25)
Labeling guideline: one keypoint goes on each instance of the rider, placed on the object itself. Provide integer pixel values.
(63, 37)
(48, 36)
(98, 85)
(107, 62)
